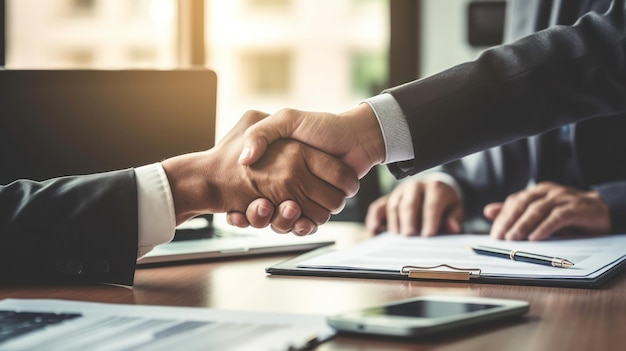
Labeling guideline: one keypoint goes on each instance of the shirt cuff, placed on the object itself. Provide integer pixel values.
(157, 219)
(395, 129)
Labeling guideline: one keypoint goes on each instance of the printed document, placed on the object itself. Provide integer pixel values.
(71, 325)
(390, 252)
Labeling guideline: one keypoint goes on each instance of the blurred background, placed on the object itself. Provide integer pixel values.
(307, 54)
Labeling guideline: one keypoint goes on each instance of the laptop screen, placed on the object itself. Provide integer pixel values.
(66, 122)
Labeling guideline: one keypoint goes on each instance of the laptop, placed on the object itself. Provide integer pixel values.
(67, 122)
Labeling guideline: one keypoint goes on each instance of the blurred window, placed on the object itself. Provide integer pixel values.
(305, 54)
(268, 54)
(267, 73)
(81, 7)
(91, 33)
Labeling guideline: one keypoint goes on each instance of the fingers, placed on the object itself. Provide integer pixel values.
(237, 219)
(421, 206)
(258, 136)
(319, 199)
(535, 213)
(287, 213)
(284, 173)
(579, 211)
(393, 217)
(454, 222)
(452, 226)
(554, 222)
(375, 218)
(316, 183)
(546, 209)
(288, 219)
(492, 210)
(259, 213)
(434, 206)
(332, 171)
(410, 209)
(304, 226)
(511, 211)
(354, 136)
(442, 209)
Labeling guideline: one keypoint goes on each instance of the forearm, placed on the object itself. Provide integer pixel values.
(72, 229)
(191, 184)
(558, 76)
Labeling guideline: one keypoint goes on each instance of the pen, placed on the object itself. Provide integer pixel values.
(522, 256)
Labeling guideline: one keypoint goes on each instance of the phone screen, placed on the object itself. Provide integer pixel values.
(428, 309)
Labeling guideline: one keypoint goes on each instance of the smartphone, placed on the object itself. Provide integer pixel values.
(427, 315)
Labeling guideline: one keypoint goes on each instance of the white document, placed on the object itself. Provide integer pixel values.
(390, 252)
(102, 326)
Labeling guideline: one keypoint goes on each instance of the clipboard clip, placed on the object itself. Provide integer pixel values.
(432, 272)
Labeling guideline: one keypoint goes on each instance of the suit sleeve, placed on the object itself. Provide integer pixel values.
(80, 229)
(561, 75)
(474, 176)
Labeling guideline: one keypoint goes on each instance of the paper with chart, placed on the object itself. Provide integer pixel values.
(103, 326)
(390, 252)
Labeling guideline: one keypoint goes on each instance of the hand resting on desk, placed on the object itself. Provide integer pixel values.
(428, 207)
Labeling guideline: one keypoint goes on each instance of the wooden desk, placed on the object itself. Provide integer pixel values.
(559, 318)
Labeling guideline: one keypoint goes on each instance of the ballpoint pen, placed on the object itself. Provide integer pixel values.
(522, 256)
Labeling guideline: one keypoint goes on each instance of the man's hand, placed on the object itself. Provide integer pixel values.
(212, 181)
(425, 207)
(354, 137)
(547, 209)
(261, 212)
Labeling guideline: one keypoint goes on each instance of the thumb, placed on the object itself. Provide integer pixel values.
(492, 210)
(260, 135)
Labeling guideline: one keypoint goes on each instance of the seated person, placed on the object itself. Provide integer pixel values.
(571, 178)
(531, 189)
(570, 71)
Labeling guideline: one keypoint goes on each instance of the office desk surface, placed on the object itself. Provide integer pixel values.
(559, 318)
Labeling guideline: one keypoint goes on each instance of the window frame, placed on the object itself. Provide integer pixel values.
(3, 31)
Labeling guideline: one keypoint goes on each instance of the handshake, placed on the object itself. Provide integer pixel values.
(291, 169)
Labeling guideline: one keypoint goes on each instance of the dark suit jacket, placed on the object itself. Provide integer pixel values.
(554, 77)
(80, 229)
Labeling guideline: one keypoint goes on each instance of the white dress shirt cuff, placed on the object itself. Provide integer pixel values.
(395, 129)
(157, 219)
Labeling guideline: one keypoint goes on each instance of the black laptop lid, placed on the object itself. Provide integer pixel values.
(64, 122)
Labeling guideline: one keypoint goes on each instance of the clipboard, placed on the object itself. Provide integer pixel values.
(443, 272)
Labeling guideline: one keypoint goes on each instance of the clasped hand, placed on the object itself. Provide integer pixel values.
(354, 137)
(305, 184)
